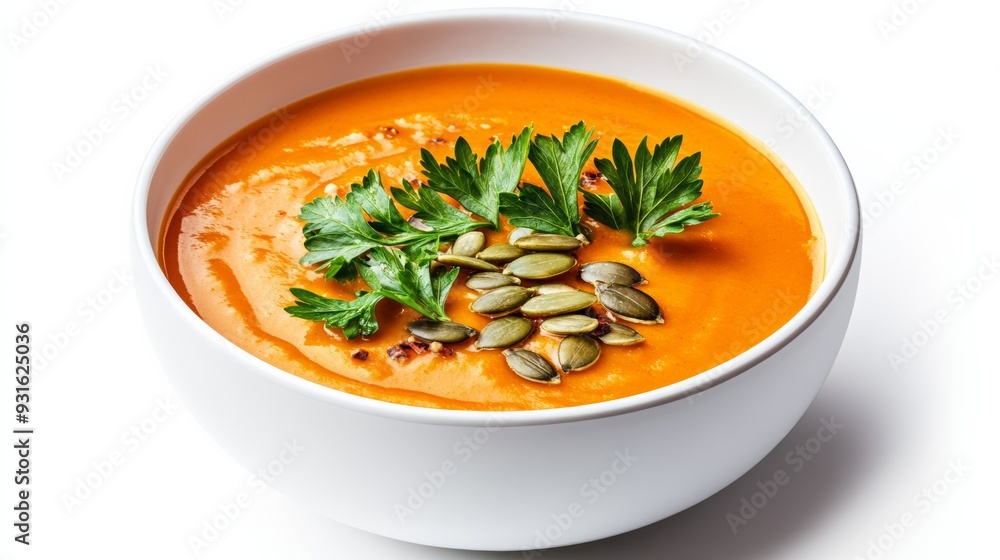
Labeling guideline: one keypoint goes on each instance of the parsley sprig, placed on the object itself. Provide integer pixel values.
(337, 231)
(401, 275)
(478, 188)
(406, 276)
(559, 164)
(649, 191)
(356, 317)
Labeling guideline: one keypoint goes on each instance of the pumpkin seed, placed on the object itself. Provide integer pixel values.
(629, 303)
(578, 352)
(531, 366)
(504, 332)
(447, 332)
(468, 244)
(542, 289)
(501, 300)
(560, 303)
(518, 233)
(466, 262)
(501, 253)
(610, 272)
(486, 281)
(540, 265)
(548, 242)
(569, 324)
(621, 335)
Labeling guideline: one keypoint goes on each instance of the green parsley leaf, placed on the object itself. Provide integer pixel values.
(649, 191)
(478, 189)
(434, 212)
(404, 276)
(338, 232)
(559, 164)
(355, 317)
(400, 277)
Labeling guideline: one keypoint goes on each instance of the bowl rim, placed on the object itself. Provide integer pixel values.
(837, 271)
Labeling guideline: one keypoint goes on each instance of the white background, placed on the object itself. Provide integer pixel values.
(889, 94)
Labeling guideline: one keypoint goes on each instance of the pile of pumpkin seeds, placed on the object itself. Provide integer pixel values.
(558, 309)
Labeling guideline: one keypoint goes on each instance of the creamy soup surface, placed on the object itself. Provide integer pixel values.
(232, 243)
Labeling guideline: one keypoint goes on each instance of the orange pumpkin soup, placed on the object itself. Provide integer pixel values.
(232, 241)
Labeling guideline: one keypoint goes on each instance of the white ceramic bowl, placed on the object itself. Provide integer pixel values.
(513, 480)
